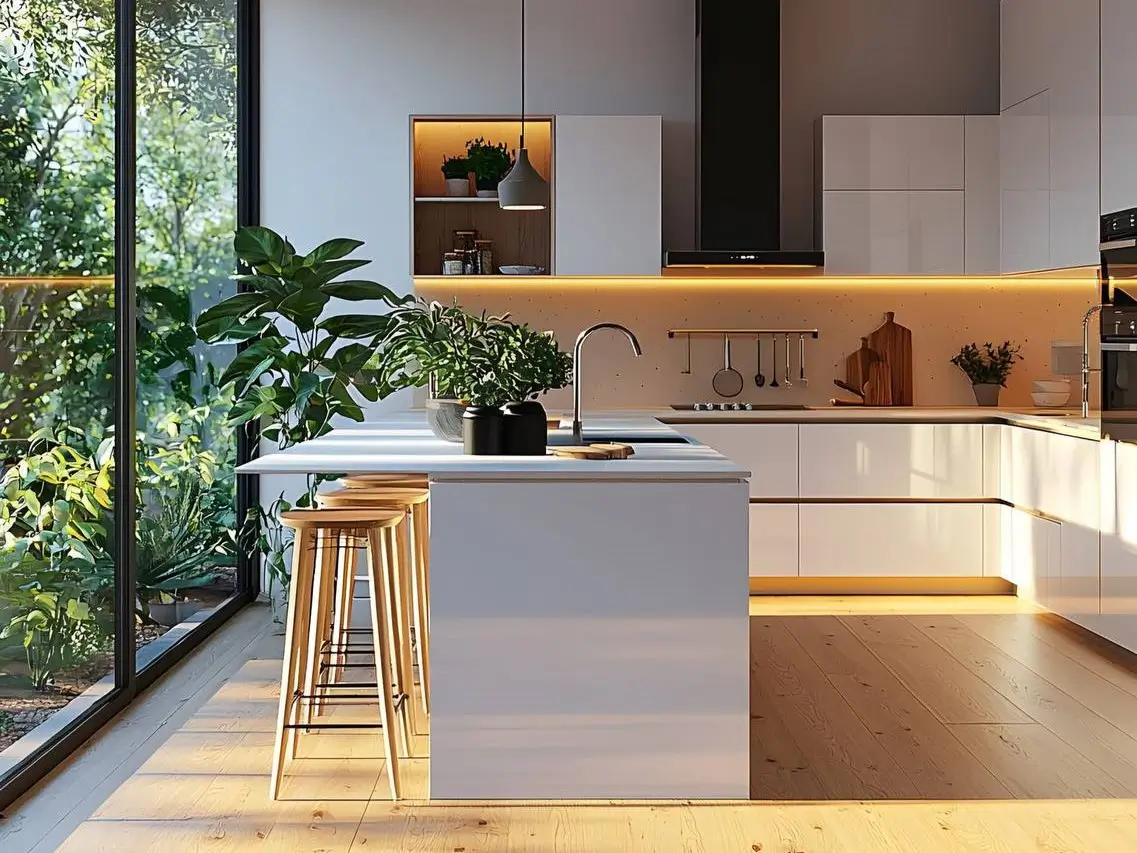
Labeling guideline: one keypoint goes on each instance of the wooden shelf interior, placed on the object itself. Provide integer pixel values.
(519, 237)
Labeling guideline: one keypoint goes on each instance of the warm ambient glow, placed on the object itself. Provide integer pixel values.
(57, 280)
(814, 283)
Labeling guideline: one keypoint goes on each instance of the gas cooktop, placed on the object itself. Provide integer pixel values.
(734, 407)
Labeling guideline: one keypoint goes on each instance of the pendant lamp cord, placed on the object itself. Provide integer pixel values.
(523, 73)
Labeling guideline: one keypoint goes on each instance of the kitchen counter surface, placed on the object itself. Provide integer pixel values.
(402, 443)
(1062, 421)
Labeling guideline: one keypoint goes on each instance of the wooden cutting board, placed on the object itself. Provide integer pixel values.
(857, 365)
(878, 389)
(594, 451)
(893, 343)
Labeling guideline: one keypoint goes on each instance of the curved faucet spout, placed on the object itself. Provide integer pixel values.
(577, 426)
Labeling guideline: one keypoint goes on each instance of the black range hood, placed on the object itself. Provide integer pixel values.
(739, 49)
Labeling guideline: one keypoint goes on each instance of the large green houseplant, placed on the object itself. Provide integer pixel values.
(476, 360)
(298, 370)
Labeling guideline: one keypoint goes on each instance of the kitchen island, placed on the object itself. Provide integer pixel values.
(588, 619)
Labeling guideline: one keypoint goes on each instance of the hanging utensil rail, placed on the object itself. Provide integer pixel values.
(813, 333)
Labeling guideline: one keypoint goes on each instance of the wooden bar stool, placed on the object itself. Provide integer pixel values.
(320, 537)
(414, 605)
(371, 481)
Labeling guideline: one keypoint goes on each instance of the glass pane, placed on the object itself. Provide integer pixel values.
(187, 202)
(57, 345)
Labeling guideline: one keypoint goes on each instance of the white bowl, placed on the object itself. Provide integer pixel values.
(1051, 399)
(521, 270)
(1052, 386)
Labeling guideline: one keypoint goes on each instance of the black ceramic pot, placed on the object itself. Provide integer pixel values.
(524, 429)
(481, 430)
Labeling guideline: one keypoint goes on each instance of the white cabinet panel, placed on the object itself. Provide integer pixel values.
(892, 152)
(769, 451)
(865, 233)
(1029, 551)
(1053, 474)
(1118, 105)
(1119, 530)
(981, 195)
(1074, 130)
(1024, 180)
(936, 243)
(891, 540)
(891, 460)
(1076, 593)
(609, 195)
(993, 438)
(893, 232)
(1025, 49)
(773, 540)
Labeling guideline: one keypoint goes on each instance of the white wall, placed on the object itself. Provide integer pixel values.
(341, 77)
(876, 57)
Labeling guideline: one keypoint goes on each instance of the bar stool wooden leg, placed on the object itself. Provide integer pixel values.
(345, 583)
(404, 675)
(289, 678)
(319, 637)
(378, 568)
(421, 523)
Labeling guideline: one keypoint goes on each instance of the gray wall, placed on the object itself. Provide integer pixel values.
(341, 77)
(876, 57)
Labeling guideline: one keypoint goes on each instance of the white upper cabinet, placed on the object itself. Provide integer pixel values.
(1024, 49)
(609, 195)
(1024, 181)
(1118, 105)
(981, 195)
(892, 152)
(894, 232)
(1049, 152)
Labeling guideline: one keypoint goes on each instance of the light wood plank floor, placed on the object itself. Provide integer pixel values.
(940, 725)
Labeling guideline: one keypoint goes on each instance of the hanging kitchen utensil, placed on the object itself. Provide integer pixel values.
(786, 379)
(687, 372)
(760, 377)
(893, 343)
(774, 356)
(860, 392)
(727, 382)
(801, 360)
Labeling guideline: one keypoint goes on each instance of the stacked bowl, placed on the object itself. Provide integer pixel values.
(1050, 393)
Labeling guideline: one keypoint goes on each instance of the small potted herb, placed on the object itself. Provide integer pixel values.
(456, 171)
(530, 363)
(987, 369)
(490, 163)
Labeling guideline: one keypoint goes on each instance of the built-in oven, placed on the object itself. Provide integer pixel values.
(1119, 325)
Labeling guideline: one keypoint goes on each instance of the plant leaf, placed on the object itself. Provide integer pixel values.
(256, 245)
(358, 290)
(332, 250)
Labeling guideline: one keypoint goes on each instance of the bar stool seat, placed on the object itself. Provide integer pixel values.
(415, 609)
(321, 536)
(371, 481)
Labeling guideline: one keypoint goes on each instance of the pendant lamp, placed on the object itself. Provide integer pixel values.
(523, 188)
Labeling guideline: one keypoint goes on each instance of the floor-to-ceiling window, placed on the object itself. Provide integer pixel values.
(119, 195)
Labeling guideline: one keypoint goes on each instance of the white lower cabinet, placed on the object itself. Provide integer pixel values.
(769, 451)
(1119, 531)
(891, 540)
(773, 540)
(1028, 552)
(891, 461)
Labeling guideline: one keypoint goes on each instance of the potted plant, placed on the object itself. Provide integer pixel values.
(456, 171)
(530, 363)
(987, 369)
(490, 163)
(298, 369)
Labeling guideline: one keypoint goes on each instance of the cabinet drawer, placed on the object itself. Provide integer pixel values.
(891, 540)
(768, 451)
(773, 540)
(891, 461)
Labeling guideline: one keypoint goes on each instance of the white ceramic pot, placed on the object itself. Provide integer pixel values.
(457, 187)
(487, 193)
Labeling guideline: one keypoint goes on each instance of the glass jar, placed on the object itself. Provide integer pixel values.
(452, 264)
(484, 265)
(464, 240)
(470, 262)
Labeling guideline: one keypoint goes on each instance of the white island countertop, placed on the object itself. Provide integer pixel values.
(402, 443)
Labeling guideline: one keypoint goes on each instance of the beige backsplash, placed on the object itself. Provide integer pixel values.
(943, 315)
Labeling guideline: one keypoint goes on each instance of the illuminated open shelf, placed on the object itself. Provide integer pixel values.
(522, 238)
